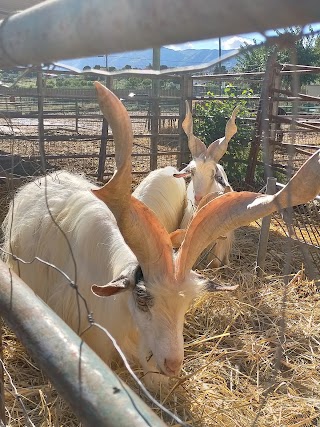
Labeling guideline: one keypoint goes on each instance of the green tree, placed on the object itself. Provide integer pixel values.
(307, 49)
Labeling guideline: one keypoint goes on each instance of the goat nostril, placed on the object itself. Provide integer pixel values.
(197, 198)
(173, 366)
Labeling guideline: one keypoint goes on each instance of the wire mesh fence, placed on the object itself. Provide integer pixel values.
(251, 356)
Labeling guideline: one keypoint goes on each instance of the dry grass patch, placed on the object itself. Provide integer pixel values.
(251, 355)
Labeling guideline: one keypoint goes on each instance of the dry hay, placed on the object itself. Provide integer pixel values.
(232, 375)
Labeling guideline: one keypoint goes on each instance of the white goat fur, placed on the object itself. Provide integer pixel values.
(101, 255)
(204, 181)
(164, 195)
(207, 176)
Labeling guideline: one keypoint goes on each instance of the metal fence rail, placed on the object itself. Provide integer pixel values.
(39, 34)
(96, 395)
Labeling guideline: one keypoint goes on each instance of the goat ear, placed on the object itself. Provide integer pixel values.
(184, 173)
(177, 237)
(181, 175)
(211, 286)
(126, 280)
(118, 285)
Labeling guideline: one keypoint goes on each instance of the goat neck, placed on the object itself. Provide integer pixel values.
(233, 210)
(141, 230)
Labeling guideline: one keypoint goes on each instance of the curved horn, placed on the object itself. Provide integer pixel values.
(139, 226)
(206, 199)
(233, 210)
(119, 187)
(218, 148)
(148, 240)
(196, 146)
(177, 237)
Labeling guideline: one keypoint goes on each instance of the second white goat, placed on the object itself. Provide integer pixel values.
(207, 176)
(164, 195)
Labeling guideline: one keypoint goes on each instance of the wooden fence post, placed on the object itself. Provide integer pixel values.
(264, 232)
(104, 139)
(261, 131)
(155, 113)
(186, 91)
(77, 116)
(273, 111)
(40, 119)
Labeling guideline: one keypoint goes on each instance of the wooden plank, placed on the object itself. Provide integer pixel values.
(40, 119)
(264, 232)
(261, 126)
(155, 111)
(299, 95)
(103, 149)
(186, 87)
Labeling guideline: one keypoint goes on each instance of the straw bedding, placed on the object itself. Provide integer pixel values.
(251, 355)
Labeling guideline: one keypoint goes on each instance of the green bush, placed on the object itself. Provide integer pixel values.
(210, 125)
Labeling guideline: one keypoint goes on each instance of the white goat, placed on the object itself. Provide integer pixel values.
(207, 176)
(164, 195)
(148, 287)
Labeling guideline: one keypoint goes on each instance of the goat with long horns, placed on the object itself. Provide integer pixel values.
(122, 253)
(207, 177)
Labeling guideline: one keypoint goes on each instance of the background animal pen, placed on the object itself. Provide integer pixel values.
(63, 128)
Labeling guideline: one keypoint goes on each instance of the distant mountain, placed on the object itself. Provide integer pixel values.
(141, 59)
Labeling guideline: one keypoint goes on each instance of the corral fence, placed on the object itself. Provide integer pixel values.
(288, 122)
(72, 128)
(16, 302)
(49, 128)
(64, 127)
(57, 128)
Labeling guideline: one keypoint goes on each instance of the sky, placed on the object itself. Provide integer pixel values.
(232, 42)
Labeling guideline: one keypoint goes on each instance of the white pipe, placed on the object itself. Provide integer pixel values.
(63, 29)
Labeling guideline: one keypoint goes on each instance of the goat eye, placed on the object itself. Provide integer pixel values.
(143, 299)
(192, 172)
(220, 180)
(142, 304)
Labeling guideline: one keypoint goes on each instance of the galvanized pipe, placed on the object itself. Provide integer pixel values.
(264, 232)
(2, 399)
(62, 29)
(93, 391)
